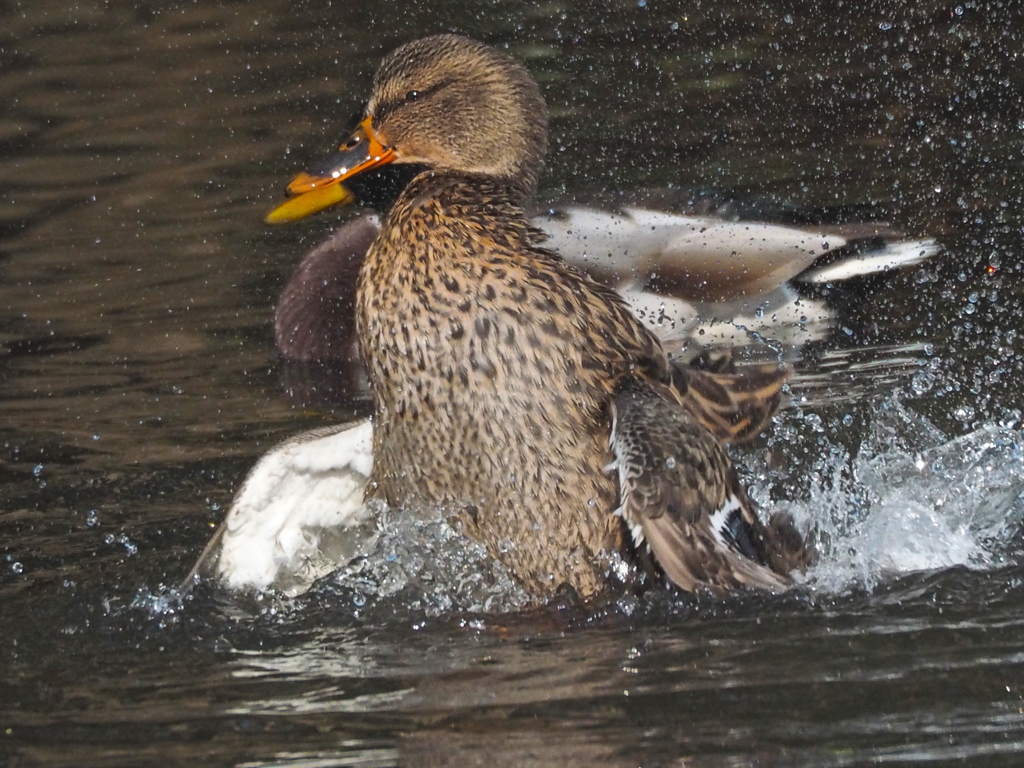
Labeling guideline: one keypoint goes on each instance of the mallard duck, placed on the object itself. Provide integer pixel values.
(517, 393)
(697, 280)
(511, 389)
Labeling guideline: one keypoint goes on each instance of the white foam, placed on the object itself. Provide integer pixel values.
(912, 499)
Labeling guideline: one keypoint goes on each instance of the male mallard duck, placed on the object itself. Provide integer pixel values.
(510, 388)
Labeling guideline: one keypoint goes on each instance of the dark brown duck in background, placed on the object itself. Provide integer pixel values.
(509, 388)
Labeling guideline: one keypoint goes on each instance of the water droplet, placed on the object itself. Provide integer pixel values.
(129, 546)
(17, 568)
(964, 413)
(922, 382)
(628, 604)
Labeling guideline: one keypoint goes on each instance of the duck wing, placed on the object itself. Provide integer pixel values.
(679, 495)
(298, 515)
(734, 404)
(314, 318)
(695, 258)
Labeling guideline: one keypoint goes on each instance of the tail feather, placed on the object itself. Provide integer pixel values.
(870, 256)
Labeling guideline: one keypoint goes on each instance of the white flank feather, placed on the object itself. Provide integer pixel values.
(894, 256)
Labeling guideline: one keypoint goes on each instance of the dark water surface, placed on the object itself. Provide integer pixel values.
(140, 147)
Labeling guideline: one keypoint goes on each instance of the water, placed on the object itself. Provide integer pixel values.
(141, 147)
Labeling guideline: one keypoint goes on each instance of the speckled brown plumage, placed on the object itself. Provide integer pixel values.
(491, 364)
(495, 367)
(681, 496)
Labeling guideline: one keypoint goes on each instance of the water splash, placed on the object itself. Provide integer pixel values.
(881, 490)
(424, 565)
(162, 603)
(907, 499)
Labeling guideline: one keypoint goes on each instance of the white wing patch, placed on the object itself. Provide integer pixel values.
(720, 523)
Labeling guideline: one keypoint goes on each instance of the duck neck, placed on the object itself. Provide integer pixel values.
(380, 188)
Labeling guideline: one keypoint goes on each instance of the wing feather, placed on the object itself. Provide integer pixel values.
(680, 495)
(297, 514)
(735, 406)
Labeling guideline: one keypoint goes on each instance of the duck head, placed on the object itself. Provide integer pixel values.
(441, 104)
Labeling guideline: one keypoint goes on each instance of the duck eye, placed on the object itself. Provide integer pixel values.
(412, 95)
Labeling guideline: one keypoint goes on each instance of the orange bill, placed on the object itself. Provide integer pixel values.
(321, 187)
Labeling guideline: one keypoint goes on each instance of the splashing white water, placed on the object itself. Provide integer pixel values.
(427, 566)
(909, 499)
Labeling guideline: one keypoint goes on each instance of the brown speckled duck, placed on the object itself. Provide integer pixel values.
(509, 388)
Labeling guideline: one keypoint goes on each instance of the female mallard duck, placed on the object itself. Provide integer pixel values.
(508, 386)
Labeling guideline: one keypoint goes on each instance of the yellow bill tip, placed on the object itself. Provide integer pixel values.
(308, 203)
